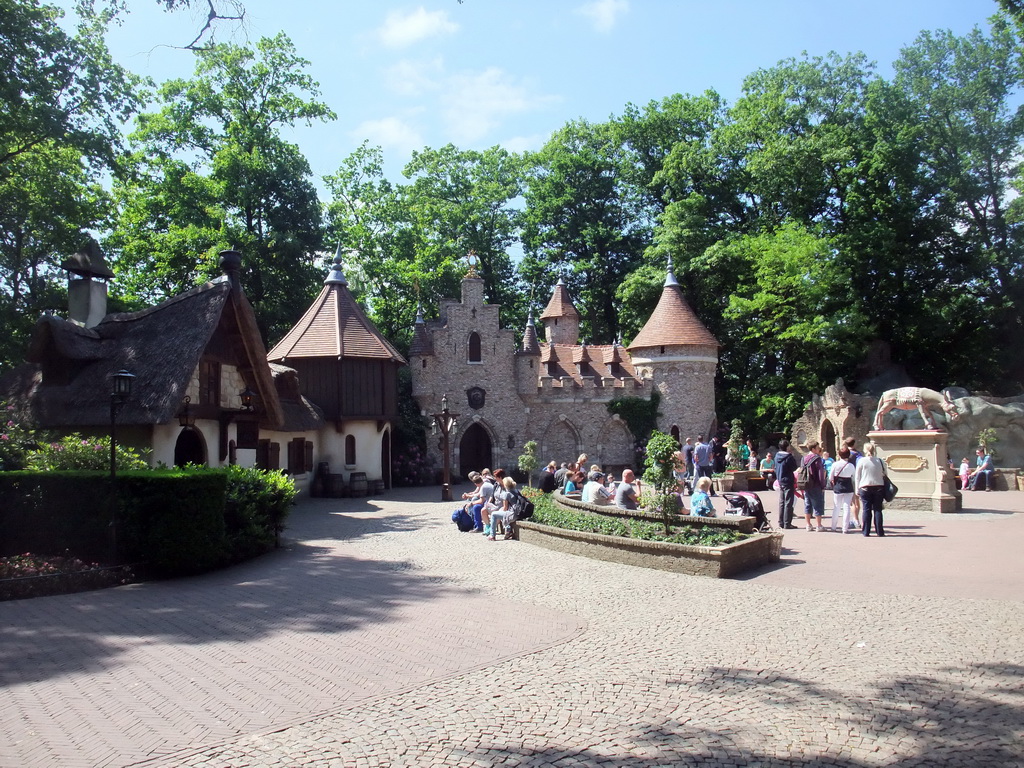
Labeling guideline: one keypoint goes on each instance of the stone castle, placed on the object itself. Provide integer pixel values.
(557, 391)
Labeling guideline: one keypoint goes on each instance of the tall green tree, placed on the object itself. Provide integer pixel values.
(583, 222)
(465, 202)
(213, 169)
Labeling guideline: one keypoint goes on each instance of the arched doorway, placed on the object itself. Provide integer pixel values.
(385, 458)
(190, 448)
(828, 437)
(474, 450)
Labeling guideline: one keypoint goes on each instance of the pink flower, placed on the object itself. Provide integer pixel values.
(4, 437)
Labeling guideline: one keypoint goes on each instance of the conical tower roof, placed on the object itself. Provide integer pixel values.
(334, 326)
(422, 343)
(673, 322)
(560, 305)
(530, 344)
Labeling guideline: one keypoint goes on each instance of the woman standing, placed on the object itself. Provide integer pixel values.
(841, 478)
(870, 481)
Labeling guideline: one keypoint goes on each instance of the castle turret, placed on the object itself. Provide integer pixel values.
(561, 320)
(528, 361)
(680, 354)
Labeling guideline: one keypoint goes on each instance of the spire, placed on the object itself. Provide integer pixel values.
(422, 342)
(336, 276)
(530, 345)
(670, 278)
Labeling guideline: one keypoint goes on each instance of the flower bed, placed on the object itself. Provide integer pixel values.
(27, 575)
(698, 546)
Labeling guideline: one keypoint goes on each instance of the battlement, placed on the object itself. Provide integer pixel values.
(593, 385)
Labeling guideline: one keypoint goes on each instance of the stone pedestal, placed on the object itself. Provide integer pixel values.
(917, 465)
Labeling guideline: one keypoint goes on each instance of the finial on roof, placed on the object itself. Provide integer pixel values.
(561, 280)
(336, 276)
(419, 314)
(670, 278)
(529, 318)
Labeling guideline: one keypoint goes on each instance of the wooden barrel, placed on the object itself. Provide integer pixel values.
(376, 487)
(335, 486)
(357, 484)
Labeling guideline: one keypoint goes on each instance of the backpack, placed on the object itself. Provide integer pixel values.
(803, 476)
(463, 520)
(522, 507)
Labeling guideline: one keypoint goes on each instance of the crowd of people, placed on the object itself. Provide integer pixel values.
(857, 479)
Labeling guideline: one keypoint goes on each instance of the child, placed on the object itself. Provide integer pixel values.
(700, 502)
(965, 473)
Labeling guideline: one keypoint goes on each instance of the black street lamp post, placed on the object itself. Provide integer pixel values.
(446, 423)
(120, 391)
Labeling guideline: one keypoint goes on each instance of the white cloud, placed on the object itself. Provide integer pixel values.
(409, 78)
(401, 30)
(475, 104)
(604, 14)
(391, 133)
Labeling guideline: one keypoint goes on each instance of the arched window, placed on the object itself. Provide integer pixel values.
(675, 433)
(474, 348)
(350, 450)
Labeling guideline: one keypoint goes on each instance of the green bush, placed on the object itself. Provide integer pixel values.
(258, 503)
(173, 520)
(77, 452)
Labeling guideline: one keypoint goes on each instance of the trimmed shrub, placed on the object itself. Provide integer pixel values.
(258, 503)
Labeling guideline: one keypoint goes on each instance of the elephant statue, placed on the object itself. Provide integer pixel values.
(924, 400)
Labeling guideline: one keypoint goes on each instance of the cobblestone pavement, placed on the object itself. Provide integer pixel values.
(853, 652)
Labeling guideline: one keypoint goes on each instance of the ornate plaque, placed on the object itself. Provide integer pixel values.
(906, 462)
(476, 397)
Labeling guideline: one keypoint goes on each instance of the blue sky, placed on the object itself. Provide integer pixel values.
(510, 72)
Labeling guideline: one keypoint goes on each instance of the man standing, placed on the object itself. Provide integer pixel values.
(785, 466)
(626, 492)
(702, 458)
(688, 464)
(814, 493)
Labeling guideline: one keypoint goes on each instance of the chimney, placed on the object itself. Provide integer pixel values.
(230, 265)
(88, 274)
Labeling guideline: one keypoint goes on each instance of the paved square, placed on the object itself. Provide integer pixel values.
(382, 637)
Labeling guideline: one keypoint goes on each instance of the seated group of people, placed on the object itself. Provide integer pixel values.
(491, 502)
(597, 487)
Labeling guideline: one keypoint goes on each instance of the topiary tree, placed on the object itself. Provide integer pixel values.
(528, 460)
(735, 441)
(659, 468)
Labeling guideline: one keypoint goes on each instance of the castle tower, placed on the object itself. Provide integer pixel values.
(528, 361)
(680, 355)
(421, 355)
(560, 318)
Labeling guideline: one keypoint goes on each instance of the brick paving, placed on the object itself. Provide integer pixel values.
(382, 637)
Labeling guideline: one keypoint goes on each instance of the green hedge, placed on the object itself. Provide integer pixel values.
(177, 521)
(548, 513)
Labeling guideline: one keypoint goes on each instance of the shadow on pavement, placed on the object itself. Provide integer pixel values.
(303, 586)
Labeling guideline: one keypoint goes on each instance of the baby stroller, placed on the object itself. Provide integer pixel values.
(747, 503)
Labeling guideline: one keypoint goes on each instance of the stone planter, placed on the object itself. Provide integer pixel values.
(723, 484)
(716, 562)
(1020, 482)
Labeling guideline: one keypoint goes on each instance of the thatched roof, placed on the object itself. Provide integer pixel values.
(67, 379)
(300, 415)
